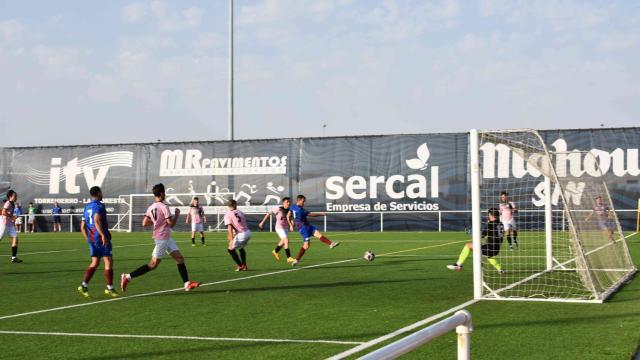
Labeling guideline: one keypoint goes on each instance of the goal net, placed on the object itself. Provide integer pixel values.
(561, 237)
(132, 208)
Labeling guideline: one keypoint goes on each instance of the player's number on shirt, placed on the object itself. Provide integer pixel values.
(90, 211)
(154, 213)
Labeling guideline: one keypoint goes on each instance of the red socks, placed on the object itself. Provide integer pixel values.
(300, 253)
(325, 240)
(88, 274)
(108, 275)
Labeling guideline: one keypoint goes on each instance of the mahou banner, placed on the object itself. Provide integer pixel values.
(394, 174)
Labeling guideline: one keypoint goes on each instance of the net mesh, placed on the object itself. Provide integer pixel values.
(589, 254)
(133, 207)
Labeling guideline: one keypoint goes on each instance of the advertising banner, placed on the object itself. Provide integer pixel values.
(417, 181)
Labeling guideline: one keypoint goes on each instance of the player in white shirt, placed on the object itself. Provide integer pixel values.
(507, 211)
(159, 216)
(7, 224)
(197, 219)
(238, 234)
(284, 224)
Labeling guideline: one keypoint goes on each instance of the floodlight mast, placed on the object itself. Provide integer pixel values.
(230, 95)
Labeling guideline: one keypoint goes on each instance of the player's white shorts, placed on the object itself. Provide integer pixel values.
(197, 227)
(241, 240)
(32, 218)
(509, 224)
(164, 247)
(19, 220)
(283, 233)
(9, 231)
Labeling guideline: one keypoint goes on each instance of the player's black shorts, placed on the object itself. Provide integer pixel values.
(490, 251)
(57, 219)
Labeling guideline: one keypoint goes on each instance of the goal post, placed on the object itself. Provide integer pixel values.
(561, 238)
(133, 207)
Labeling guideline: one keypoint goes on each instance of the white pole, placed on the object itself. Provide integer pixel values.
(475, 212)
(464, 339)
(548, 224)
(439, 221)
(230, 95)
(130, 213)
(381, 221)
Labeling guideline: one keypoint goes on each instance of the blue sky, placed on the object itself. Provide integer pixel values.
(137, 71)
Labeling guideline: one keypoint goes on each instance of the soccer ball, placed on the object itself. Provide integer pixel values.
(369, 255)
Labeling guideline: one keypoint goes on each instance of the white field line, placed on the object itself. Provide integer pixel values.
(401, 331)
(429, 256)
(83, 249)
(178, 241)
(408, 328)
(168, 337)
(211, 283)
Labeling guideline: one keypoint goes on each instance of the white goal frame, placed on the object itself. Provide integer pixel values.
(551, 263)
(125, 219)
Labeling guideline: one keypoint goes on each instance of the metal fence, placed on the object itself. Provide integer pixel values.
(374, 221)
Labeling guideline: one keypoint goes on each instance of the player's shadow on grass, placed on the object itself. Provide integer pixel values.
(296, 287)
(42, 272)
(376, 264)
(559, 321)
(182, 351)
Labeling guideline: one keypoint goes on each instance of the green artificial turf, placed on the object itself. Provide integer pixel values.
(339, 298)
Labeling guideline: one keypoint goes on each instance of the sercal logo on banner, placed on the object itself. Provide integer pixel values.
(499, 161)
(94, 169)
(414, 187)
(192, 163)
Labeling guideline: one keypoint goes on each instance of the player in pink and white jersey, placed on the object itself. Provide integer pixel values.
(507, 211)
(238, 234)
(283, 225)
(603, 216)
(159, 215)
(197, 219)
(7, 224)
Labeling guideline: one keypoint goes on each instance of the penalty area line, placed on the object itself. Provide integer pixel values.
(169, 337)
(211, 283)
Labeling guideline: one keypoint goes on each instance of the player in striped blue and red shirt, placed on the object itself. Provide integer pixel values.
(95, 229)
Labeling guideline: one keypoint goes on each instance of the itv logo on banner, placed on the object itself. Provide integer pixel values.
(92, 169)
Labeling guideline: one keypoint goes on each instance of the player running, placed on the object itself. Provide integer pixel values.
(306, 230)
(159, 215)
(7, 224)
(493, 231)
(197, 219)
(57, 219)
(602, 213)
(507, 211)
(238, 235)
(283, 226)
(95, 229)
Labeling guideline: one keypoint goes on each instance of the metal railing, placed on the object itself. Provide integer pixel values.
(123, 221)
(70, 222)
(460, 321)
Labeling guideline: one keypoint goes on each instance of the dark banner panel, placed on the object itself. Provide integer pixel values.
(258, 173)
(418, 182)
(65, 174)
(385, 173)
